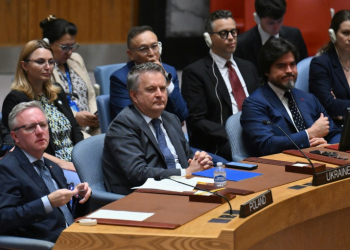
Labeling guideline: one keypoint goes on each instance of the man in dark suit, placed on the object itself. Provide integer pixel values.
(214, 87)
(298, 113)
(34, 199)
(143, 46)
(144, 141)
(269, 17)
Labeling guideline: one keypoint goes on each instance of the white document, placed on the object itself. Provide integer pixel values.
(119, 215)
(169, 185)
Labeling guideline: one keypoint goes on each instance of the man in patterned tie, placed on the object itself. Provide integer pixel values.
(34, 197)
(298, 113)
(215, 86)
(144, 141)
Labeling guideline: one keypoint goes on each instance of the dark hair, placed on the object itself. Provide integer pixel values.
(54, 29)
(219, 14)
(136, 71)
(273, 50)
(339, 17)
(136, 31)
(274, 9)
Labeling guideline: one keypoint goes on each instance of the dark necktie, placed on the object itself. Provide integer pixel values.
(298, 119)
(45, 174)
(169, 158)
(236, 85)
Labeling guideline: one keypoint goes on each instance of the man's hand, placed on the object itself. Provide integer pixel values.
(317, 142)
(320, 128)
(200, 161)
(61, 197)
(83, 190)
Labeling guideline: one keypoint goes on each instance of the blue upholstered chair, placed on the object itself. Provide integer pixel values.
(13, 242)
(236, 138)
(104, 113)
(303, 67)
(87, 159)
(102, 75)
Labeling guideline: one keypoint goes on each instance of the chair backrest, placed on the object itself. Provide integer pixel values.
(14, 242)
(104, 113)
(303, 67)
(236, 138)
(102, 75)
(87, 159)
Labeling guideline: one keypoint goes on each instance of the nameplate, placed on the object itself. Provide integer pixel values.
(256, 204)
(331, 175)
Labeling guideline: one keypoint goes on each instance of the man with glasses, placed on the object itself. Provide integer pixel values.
(143, 46)
(215, 86)
(269, 18)
(34, 197)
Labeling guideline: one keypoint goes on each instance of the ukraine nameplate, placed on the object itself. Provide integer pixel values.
(331, 175)
(256, 204)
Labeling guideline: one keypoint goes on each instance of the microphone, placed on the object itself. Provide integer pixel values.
(265, 122)
(158, 177)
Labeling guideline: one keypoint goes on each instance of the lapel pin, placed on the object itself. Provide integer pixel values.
(50, 166)
(60, 102)
(302, 99)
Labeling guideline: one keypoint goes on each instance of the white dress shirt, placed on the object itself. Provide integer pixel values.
(264, 35)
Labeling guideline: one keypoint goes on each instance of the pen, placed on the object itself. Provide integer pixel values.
(215, 190)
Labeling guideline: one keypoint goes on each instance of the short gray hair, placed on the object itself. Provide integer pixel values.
(136, 71)
(19, 108)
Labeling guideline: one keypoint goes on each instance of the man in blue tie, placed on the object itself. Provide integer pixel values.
(145, 141)
(34, 197)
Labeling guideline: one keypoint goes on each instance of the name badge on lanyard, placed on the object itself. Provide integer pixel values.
(73, 105)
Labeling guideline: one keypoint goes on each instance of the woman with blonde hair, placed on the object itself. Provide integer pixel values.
(33, 82)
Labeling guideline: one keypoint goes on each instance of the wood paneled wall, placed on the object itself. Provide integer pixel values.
(98, 21)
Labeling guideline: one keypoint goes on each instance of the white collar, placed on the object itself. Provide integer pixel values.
(264, 35)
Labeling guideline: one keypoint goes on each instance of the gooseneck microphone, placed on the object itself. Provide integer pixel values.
(265, 122)
(159, 178)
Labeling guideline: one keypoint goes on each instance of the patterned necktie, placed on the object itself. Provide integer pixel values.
(45, 174)
(298, 119)
(236, 85)
(169, 158)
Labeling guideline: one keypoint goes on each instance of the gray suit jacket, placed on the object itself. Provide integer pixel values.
(131, 153)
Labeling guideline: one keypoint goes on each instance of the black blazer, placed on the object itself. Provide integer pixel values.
(249, 43)
(205, 129)
(15, 97)
(327, 76)
(21, 209)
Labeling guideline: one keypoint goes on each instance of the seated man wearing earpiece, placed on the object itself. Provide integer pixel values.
(215, 86)
(143, 46)
(269, 17)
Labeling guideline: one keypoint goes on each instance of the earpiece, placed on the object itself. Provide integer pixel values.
(256, 18)
(160, 48)
(207, 39)
(332, 36)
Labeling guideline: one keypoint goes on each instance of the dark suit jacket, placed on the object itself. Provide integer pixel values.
(22, 212)
(326, 76)
(131, 153)
(119, 95)
(15, 97)
(205, 129)
(264, 104)
(249, 43)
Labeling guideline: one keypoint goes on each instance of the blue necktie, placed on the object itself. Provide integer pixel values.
(169, 158)
(45, 174)
(298, 119)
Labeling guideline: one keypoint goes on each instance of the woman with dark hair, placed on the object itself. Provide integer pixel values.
(329, 77)
(33, 82)
(70, 72)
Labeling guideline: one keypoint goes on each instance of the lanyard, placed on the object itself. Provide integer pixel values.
(68, 80)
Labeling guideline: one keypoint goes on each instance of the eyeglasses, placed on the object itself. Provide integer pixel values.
(43, 62)
(67, 48)
(145, 49)
(30, 128)
(224, 33)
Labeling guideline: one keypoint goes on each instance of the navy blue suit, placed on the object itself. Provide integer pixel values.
(264, 104)
(326, 76)
(119, 95)
(22, 212)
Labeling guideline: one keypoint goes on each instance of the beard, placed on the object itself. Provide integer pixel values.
(285, 86)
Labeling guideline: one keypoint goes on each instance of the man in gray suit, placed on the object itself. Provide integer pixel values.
(144, 141)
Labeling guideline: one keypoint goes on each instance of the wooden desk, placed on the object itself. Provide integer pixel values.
(309, 218)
